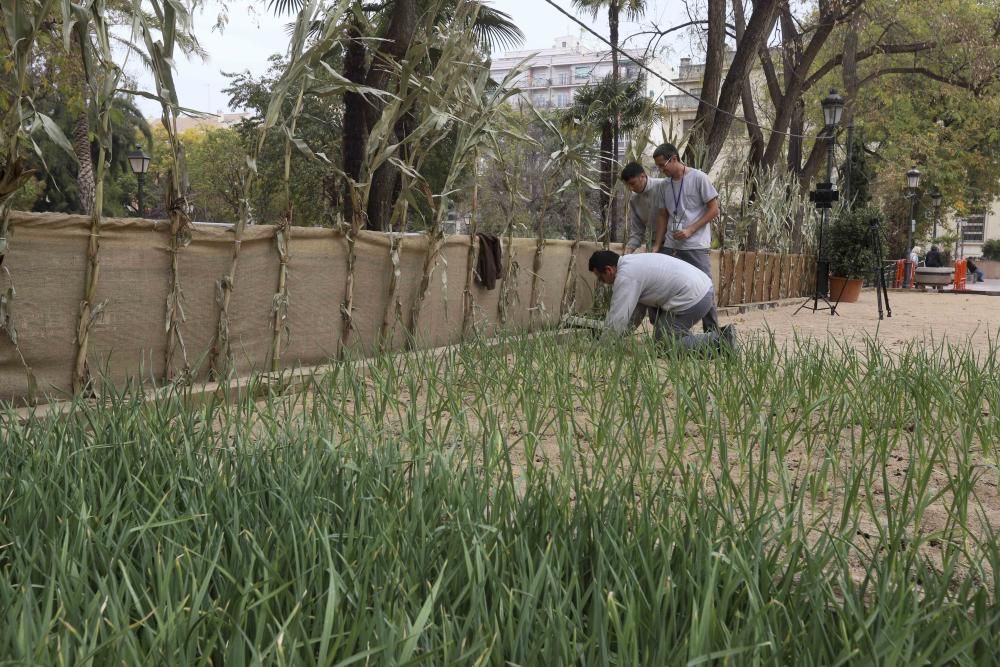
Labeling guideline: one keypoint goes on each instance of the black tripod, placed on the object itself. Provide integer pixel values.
(881, 290)
(824, 195)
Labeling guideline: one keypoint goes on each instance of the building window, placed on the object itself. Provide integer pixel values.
(581, 72)
(564, 45)
(975, 226)
(688, 125)
(696, 92)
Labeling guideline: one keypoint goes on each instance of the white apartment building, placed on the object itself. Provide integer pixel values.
(553, 76)
(681, 108)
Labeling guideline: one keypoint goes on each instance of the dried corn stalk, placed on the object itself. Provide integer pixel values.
(103, 76)
(282, 236)
(169, 18)
(279, 303)
(468, 299)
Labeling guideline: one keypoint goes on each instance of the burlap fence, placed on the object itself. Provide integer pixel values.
(46, 266)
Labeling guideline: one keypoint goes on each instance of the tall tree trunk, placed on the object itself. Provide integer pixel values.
(85, 174)
(715, 62)
(758, 29)
(798, 60)
(754, 132)
(796, 128)
(361, 114)
(607, 173)
(614, 10)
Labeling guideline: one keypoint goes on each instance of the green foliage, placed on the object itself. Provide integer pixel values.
(524, 186)
(312, 185)
(945, 123)
(780, 208)
(850, 249)
(531, 503)
(859, 172)
(61, 191)
(991, 250)
(25, 198)
(215, 158)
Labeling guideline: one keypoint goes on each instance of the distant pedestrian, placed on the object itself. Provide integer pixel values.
(933, 258)
(972, 270)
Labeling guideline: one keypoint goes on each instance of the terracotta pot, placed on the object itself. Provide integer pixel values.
(845, 290)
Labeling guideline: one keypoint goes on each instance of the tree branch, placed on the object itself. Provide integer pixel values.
(958, 82)
(871, 51)
(770, 75)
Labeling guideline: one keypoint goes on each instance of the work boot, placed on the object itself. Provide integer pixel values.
(727, 338)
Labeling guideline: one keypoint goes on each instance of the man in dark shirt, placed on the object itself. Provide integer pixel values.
(974, 271)
(933, 258)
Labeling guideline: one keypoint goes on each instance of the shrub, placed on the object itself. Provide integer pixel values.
(991, 250)
(850, 250)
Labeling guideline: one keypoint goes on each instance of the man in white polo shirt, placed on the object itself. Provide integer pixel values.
(645, 206)
(672, 293)
(691, 203)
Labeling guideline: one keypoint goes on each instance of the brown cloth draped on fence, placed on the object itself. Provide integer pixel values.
(490, 263)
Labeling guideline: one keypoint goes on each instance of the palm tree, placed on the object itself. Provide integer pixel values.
(373, 63)
(609, 106)
(80, 76)
(632, 9)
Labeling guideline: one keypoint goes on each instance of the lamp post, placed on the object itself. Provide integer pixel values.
(833, 109)
(912, 183)
(823, 196)
(139, 162)
(936, 200)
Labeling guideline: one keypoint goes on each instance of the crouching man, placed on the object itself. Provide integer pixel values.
(674, 294)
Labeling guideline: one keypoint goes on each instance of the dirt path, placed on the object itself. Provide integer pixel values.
(916, 316)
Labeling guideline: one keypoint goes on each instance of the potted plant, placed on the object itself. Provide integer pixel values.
(851, 252)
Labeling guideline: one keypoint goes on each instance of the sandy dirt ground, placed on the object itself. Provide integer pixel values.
(916, 316)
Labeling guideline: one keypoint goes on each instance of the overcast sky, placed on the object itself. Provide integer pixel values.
(253, 34)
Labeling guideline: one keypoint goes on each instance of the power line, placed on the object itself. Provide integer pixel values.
(670, 83)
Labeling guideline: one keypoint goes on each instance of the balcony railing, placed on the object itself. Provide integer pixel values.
(679, 102)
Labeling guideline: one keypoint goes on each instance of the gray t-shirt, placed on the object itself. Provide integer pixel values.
(643, 207)
(653, 280)
(686, 200)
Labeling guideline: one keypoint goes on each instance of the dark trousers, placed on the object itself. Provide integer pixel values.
(700, 259)
(674, 327)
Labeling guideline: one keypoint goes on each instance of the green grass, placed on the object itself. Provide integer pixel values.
(530, 503)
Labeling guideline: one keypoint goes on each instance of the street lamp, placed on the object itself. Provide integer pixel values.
(833, 108)
(912, 183)
(936, 200)
(823, 196)
(139, 162)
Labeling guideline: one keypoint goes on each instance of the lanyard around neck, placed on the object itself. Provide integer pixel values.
(679, 193)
